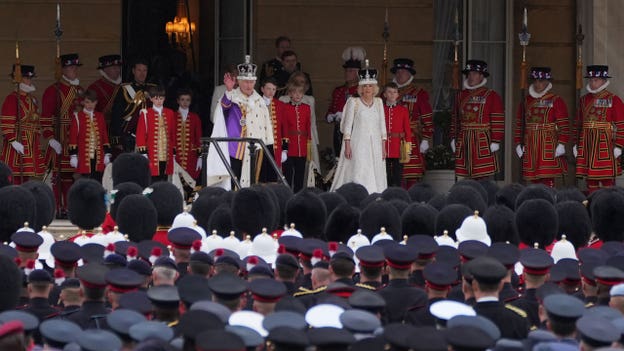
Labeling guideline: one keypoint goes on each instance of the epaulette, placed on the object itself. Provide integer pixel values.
(172, 324)
(589, 305)
(302, 289)
(315, 291)
(366, 286)
(533, 327)
(519, 311)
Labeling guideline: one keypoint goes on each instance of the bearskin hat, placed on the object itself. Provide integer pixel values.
(221, 220)
(607, 215)
(119, 192)
(308, 212)
(283, 193)
(438, 201)
(421, 192)
(167, 199)
(354, 193)
(332, 200)
(131, 167)
(570, 193)
(342, 223)
(17, 205)
(396, 192)
(537, 222)
(574, 222)
(252, 210)
(137, 217)
(467, 195)
(450, 218)
(475, 185)
(507, 195)
(86, 203)
(6, 175)
(379, 214)
(206, 203)
(399, 204)
(419, 218)
(491, 188)
(536, 191)
(276, 205)
(45, 203)
(501, 224)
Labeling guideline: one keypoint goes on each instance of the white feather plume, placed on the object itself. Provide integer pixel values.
(356, 53)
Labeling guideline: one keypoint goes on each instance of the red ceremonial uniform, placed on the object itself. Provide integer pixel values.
(398, 128)
(481, 122)
(60, 99)
(275, 108)
(106, 91)
(546, 126)
(148, 141)
(188, 146)
(601, 123)
(88, 138)
(421, 122)
(340, 95)
(162, 235)
(297, 128)
(31, 163)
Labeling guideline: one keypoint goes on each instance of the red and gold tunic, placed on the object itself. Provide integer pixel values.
(546, 126)
(601, 123)
(188, 137)
(106, 91)
(60, 99)
(398, 128)
(340, 95)
(88, 138)
(162, 235)
(276, 108)
(156, 136)
(296, 119)
(482, 122)
(31, 163)
(421, 122)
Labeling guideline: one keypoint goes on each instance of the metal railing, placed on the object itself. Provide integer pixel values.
(253, 152)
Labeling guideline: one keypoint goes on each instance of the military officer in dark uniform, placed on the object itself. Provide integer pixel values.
(286, 271)
(488, 274)
(129, 101)
(39, 286)
(508, 255)
(438, 280)
(183, 241)
(536, 263)
(274, 65)
(93, 312)
(399, 295)
(372, 262)
(426, 246)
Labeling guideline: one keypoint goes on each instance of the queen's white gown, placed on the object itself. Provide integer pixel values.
(366, 128)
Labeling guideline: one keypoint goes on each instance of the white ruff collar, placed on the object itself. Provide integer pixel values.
(473, 87)
(114, 81)
(26, 88)
(537, 95)
(600, 88)
(72, 81)
(409, 81)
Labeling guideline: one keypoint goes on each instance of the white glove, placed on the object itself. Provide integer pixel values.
(56, 146)
(284, 155)
(338, 117)
(617, 152)
(198, 166)
(145, 155)
(494, 147)
(107, 159)
(453, 145)
(574, 151)
(18, 147)
(424, 146)
(519, 150)
(560, 150)
(73, 161)
(331, 117)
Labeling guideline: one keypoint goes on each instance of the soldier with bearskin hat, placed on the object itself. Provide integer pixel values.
(416, 100)
(60, 101)
(477, 132)
(22, 152)
(600, 131)
(540, 139)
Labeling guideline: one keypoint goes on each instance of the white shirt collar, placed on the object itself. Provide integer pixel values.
(158, 109)
(184, 112)
(267, 100)
(488, 299)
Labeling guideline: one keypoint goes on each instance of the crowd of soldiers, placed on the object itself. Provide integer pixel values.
(481, 267)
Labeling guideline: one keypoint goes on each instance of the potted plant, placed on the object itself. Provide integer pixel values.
(440, 159)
